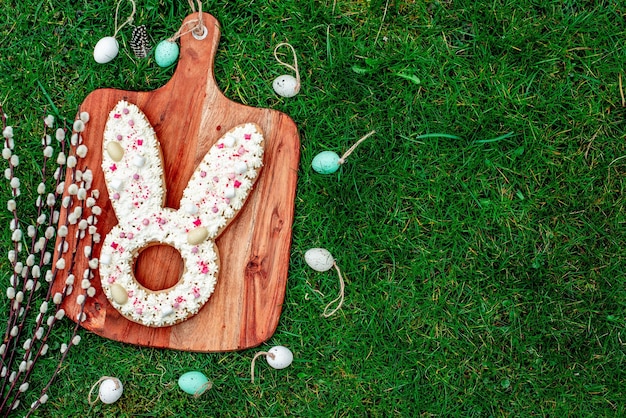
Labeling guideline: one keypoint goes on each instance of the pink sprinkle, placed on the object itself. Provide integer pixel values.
(136, 176)
(116, 196)
(162, 221)
(130, 235)
(231, 176)
(237, 184)
(125, 111)
(113, 167)
(220, 145)
(215, 209)
(227, 200)
(146, 221)
(122, 235)
(119, 137)
(194, 250)
(247, 136)
(176, 305)
(114, 245)
(216, 179)
(139, 311)
(131, 123)
(203, 174)
(197, 222)
(241, 151)
(205, 270)
(117, 116)
(140, 142)
(111, 280)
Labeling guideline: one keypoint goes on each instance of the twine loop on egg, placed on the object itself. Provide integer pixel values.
(340, 298)
(102, 379)
(127, 21)
(257, 355)
(293, 67)
(198, 30)
(353, 147)
(206, 386)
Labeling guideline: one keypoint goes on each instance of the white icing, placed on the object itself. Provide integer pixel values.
(216, 191)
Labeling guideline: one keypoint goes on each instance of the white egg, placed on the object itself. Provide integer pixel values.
(110, 390)
(319, 259)
(286, 85)
(105, 50)
(280, 357)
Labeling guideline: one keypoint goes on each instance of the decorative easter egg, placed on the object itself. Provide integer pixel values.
(166, 53)
(279, 357)
(194, 383)
(286, 85)
(105, 50)
(326, 162)
(319, 259)
(110, 390)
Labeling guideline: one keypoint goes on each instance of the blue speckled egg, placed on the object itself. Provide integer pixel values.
(326, 162)
(166, 53)
(194, 383)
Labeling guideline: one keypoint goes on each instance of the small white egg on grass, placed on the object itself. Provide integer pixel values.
(319, 259)
(278, 357)
(286, 85)
(106, 50)
(109, 391)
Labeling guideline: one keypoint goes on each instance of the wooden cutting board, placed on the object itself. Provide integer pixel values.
(189, 114)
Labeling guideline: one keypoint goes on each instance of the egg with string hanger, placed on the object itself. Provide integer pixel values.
(110, 390)
(287, 85)
(278, 357)
(327, 162)
(167, 51)
(321, 260)
(107, 48)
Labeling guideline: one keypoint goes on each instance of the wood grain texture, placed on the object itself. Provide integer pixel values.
(189, 114)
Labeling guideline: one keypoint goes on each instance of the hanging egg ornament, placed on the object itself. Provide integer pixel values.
(326, 162)
(111, 390)
(279, 357)
(286, 85)
(166, 53)
(106, 50)
(319, 259)
(194, 383)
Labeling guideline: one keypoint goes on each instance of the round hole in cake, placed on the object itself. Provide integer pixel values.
(158, 267)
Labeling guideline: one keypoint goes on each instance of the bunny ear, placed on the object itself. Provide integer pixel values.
(222, 181)
(131, 161)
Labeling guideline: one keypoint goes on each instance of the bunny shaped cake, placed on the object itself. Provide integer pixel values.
(133, 171)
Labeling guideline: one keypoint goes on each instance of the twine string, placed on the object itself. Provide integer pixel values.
(353, 147)
(197, 25)
(342, 287)
(257, 355)
(127, 21)
(102, 379)
(208, 385)
(293, 67)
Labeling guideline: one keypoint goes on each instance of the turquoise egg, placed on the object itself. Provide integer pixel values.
(166, 53)
(194, 383)
(326, 162)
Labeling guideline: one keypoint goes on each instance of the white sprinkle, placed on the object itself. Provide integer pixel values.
(49, 121)
(60, 264)
(57, 298)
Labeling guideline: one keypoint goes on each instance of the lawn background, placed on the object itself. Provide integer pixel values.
(483, 278)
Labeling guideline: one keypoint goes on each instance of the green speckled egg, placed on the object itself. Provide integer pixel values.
(194, 383)
(166, 53)
(326, 162)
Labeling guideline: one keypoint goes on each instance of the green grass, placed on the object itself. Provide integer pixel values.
(484, 265)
